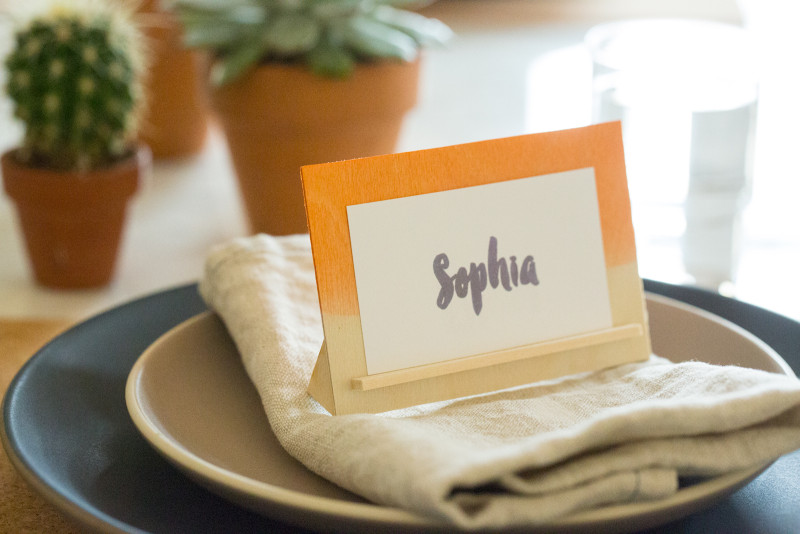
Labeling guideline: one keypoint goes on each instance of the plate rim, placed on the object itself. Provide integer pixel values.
(175, 452)
(84, 513)
(96, 520)
(196, 466)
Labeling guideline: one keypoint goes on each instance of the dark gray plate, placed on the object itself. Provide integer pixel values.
(67, 430)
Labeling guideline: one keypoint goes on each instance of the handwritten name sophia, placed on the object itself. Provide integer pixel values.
(495, 272)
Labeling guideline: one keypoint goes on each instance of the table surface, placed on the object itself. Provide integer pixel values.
(514, 68)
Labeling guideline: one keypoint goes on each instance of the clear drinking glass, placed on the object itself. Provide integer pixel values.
(686, 92)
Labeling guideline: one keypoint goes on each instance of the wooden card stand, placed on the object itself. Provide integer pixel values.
(578, 188)
(468, 363)
(357, 392)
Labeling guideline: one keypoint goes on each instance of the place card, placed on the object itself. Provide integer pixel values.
(467, 269)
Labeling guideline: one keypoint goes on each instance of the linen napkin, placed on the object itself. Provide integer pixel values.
(530, 454)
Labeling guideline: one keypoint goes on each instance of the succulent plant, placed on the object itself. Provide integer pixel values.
(74, 77)
(329, 36)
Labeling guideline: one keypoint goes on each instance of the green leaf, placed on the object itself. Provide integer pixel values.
(329, 9)
(291, 33)
(375, 39)
(424, 30)
(232, 66)
(211, 35)
(292, 5)
(330, 61)
(205, 5)
(405, 3)
(244, 14)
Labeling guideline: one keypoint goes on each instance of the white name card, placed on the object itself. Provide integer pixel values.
(478, 269)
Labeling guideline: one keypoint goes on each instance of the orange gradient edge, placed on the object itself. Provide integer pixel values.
(330, 187)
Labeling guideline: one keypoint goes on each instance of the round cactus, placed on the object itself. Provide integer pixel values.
(74, 77)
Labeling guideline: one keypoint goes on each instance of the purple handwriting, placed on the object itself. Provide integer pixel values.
(495, 272)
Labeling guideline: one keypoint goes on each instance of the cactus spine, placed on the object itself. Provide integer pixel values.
(74, 78)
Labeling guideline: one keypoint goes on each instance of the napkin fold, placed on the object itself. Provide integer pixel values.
(530, 454)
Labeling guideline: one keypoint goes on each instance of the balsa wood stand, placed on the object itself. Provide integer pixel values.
(588, 161)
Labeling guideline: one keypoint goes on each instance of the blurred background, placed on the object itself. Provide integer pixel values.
(513, 67)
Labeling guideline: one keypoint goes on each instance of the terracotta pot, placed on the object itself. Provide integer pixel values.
(175, 122)
(72, 222)
(281, 117)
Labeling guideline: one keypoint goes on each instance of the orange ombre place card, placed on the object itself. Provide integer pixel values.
(459, 270)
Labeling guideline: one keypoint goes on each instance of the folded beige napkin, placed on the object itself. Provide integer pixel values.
(530, 454)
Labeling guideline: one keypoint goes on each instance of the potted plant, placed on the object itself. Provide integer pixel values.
(303, 82)
(74, 79)
(174, 124)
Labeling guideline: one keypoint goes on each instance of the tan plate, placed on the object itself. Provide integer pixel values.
(191, 399)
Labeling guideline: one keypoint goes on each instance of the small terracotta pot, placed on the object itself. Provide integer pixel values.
(281, 117)
(72, 222)
(175, 122)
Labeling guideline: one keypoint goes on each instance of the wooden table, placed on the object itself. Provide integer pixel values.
(21, 509)
(191, 205)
